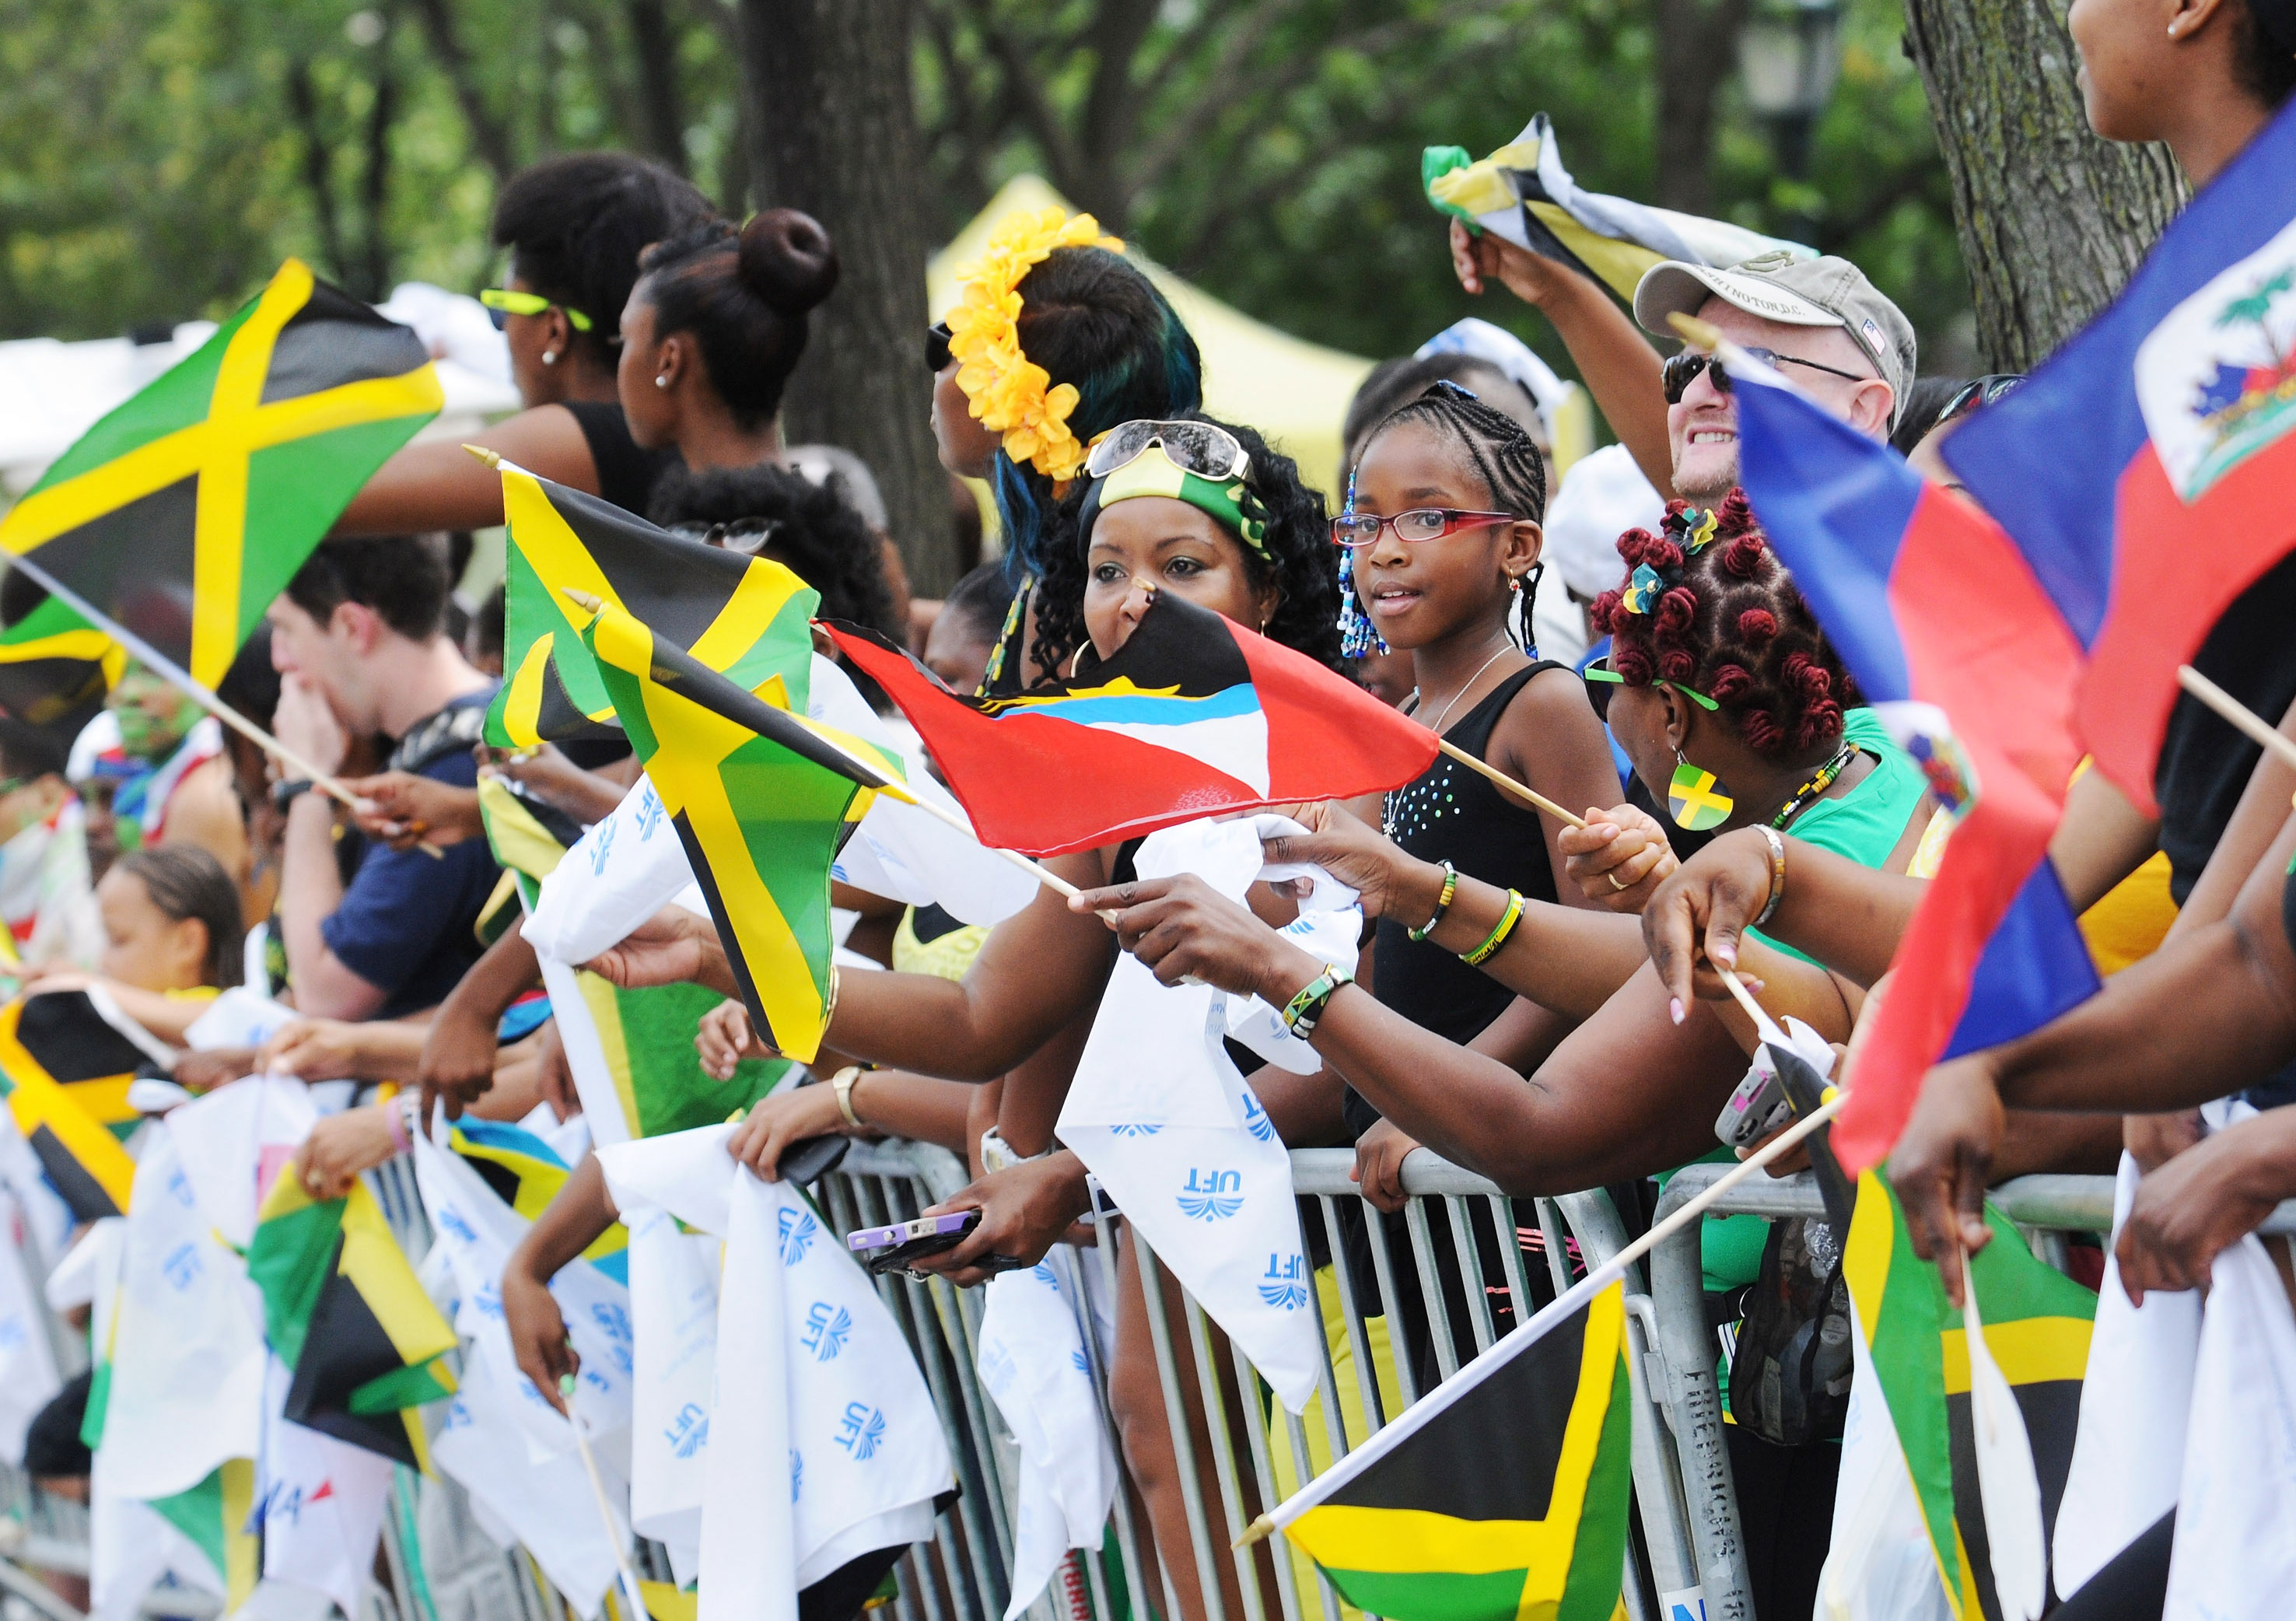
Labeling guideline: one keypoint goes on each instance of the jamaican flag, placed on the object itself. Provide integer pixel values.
(1501, 1494)
(2036, 1326)
(743, 615)
(218, 1516)
(526, 1172)
(55, 672)
(342, 1308)
(185, 511)
(67, 1058)
(762, 799)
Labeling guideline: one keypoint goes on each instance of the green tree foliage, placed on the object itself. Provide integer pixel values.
(159, 157)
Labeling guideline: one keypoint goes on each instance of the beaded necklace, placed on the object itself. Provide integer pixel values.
(1822, 779)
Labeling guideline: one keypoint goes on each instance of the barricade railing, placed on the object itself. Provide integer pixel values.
(1478, 1262)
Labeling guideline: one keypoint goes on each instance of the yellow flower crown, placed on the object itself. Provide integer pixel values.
(1008, 393)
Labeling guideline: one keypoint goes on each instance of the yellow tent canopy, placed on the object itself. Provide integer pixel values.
(1296, 393)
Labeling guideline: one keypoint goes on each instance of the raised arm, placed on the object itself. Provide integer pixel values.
(437, 485)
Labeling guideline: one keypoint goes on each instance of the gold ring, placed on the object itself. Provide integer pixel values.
(1615, 884)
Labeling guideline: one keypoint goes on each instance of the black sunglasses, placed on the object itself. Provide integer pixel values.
(1977, 391)
(936, 354)
(1681, 370)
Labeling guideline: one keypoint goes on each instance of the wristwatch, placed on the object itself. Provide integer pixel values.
(284, 794)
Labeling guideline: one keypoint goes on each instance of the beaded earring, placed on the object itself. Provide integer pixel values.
(1357, 639)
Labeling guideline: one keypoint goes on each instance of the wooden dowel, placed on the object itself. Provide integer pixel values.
(1765, 1026)
(2236, 713)
(1530, 796)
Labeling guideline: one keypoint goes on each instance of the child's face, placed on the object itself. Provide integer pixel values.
(154, 715)
(143, 946)
(27, 800)
(1420, 591)
(956, 651)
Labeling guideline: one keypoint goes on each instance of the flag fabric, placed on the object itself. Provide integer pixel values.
(67, 1058)
(525, 1173)
(1523, 193)
(2180, 399)
(1193, 717)
(318, 1503)
(761, 798)
(217, 1516)
(829, 1391)
(1406, 1527)
(185, 511)
(55, 672)
(1033, 1364)
(29, 1376)
(674, 1312)
(342, 1308)
(1938, 614)
(1914, 1352)
(1161, 1115)
(743, 615)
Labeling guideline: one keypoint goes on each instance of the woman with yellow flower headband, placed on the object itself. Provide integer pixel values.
(1056, 338)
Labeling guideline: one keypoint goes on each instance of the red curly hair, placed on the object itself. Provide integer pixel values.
(1728, 622)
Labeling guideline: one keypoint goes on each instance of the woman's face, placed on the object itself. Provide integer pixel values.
(1420, 591)
(646, 406)
(143, 946)
(1640, 718)
(964, 445)
(2127, 61)
(529, 337)
(1153, 543)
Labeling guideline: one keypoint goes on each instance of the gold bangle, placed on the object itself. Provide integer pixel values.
(842, 1083)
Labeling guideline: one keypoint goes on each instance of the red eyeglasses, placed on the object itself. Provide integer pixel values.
(1361, 529)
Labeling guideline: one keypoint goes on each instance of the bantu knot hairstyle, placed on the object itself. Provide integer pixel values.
(1495, 448)
(744, 295)
(1724, 617)
(1300, 559)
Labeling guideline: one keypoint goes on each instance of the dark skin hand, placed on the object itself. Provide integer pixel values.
(2203, 1202)
(219, 1067)
(458, 1054)
(586, 796)
(1520, 1037)
(571, 1223)
(555, 1075)
(2209, 1013)
(403, 810)
(1570, 1126)
(1025, 1209)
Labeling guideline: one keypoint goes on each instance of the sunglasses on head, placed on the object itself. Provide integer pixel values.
(740, 535)
(1197, 447)
(502, 302)
(1600, 679)
(1681, 370)
(1977, 391)
(936, 354)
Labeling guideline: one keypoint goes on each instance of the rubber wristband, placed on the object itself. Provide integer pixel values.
(1777, 874)
(1498, 937)
(1301, 1013)
(1442, 904)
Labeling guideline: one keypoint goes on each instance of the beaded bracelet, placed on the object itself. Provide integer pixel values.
(1301, 1013)
(1498, 937)
(1777, 874)
(1442, 904)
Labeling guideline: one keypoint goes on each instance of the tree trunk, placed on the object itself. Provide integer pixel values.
(2052, 220)
(827, 88)
(655, 43)
(488, 135)
(1697, 52)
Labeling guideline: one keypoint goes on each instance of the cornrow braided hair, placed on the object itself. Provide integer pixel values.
(1495, 445)
(1715, 610)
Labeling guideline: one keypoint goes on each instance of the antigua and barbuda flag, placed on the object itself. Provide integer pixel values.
(1523, 193)
(1937, 615)
(1159, 1112)
(2144, 469)
(825, 1459)
(1193, 717)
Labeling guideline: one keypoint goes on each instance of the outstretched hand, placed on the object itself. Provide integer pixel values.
(671, 947)
(2200, 1203)
(1944, 1161)
(1481, 258)
(1025, 1209)
(1697, 916)
(1183, 929)
(1618, 858)
(1355, 853)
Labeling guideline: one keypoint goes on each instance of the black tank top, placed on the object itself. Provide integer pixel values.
(1450, 813)
(626, 473)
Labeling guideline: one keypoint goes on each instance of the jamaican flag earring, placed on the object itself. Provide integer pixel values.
(1696, 798)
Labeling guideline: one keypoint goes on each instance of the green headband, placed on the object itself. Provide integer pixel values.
(1153, 473)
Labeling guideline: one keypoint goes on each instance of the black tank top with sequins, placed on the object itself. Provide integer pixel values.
(1450, 814)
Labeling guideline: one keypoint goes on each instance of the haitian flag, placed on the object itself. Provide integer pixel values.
(1193, 717)
(1954, 641)
(2145, 470)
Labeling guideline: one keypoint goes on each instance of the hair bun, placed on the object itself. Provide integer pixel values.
(788, 260)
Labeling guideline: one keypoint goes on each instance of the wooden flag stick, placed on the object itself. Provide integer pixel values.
(1765, 1026)
(327, 782)
(1538, 800)
(630, 1588)
(1573, 1299)
(2235, 713)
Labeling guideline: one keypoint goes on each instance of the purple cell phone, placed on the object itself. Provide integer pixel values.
(955, 1225)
